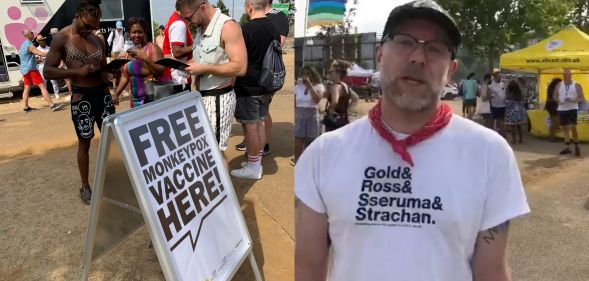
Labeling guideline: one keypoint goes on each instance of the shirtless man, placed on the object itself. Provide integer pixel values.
(84, 55)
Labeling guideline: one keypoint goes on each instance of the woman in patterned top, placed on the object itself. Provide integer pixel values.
(142, 68)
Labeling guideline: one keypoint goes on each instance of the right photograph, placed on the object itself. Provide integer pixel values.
(441, 140)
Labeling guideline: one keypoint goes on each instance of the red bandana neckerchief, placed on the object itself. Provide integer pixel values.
(442, 118)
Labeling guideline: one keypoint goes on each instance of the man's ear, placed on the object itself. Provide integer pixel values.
(452, 69)
(378, 56)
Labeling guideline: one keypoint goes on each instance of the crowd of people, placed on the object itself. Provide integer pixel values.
(224, 64)
(502, 105)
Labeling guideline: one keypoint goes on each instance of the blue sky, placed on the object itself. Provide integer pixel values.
(162, 9)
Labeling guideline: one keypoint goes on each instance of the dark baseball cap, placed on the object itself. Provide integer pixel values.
(423, 9)
(162, 27)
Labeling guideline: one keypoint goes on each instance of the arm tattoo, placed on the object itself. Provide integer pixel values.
(490, 234)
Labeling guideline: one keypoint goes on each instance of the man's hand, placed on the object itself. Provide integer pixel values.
(139, 54)
(196, 68)
(85, 70)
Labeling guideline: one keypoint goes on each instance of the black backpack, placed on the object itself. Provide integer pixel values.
(273, 71)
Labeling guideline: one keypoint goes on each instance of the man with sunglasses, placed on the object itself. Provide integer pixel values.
(220, 56)
(398, 195)
(178, 45)
(84, 55)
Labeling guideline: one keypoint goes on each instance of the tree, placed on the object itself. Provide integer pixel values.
(243, 19)
(579, 15)
(156, 28)
(343, 28)
(222, 7)
(494, 27)
(291, 11)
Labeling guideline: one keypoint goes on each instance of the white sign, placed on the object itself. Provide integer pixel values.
(553, 45)
(183, 189)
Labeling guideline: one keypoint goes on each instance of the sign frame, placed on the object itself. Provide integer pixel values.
(112, 131)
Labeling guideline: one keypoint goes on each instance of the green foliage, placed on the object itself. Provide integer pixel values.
(243, 19)
(155, 27)
(343, 28)
(490, 28)
(222, 7)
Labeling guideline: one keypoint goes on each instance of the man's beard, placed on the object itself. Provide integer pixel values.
(416, 101)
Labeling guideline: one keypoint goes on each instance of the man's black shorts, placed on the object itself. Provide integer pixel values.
(251, 109)
(89, 106)
(568, 117)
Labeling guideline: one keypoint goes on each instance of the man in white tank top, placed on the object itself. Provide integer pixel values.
(219, 55)
(569, 93)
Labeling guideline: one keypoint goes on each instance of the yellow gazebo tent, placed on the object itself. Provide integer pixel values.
(569, 48)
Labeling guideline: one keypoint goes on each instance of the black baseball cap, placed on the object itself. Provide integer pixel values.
(162, 27)
(423, 9)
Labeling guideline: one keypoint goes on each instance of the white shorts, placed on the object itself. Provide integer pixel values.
(220, 110)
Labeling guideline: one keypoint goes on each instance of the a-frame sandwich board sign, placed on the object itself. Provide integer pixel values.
(160, 163)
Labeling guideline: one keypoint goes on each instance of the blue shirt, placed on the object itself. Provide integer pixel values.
(469, 88)
(27, 59)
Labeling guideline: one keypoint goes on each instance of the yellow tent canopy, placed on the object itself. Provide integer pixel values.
(569, 48)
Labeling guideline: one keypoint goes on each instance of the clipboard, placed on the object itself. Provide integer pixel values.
(115, 64)
(172, 63)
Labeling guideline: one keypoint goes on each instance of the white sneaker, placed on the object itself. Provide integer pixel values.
(248, 172)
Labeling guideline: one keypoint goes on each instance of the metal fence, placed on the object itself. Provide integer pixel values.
(321, 51)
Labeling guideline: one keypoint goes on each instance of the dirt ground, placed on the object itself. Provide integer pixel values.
(43, 222)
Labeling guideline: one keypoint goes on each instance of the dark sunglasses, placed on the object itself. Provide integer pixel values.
(189, 18)
(88, 26)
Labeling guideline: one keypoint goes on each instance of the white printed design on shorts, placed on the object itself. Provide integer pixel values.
(108, 106)
(83, 119)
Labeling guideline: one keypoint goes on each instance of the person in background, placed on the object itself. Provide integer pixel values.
(116, 40)
(308, 93)
(30, 72)
(220, 56)
(91, 101)
(483, 105)
(159, 39)
(142, 68)
(253, 102)
(41, 62)
(339, 96)
(551, 106)
(496, 94)
(280, 21)
(470, 90)
(568, 94)
(178, 45)
(515, 111)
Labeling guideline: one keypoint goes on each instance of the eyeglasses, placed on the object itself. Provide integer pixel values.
(88, 26)
(189, 18)
(435, 50)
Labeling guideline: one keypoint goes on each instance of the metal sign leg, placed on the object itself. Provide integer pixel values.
(255, 266)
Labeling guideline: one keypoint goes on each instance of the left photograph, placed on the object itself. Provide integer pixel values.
(147, 140)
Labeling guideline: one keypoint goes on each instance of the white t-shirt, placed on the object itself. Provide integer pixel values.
(497, 91)
(117, 41)
(465, 180)
(41, 64)
(303, 100)
(177, 34)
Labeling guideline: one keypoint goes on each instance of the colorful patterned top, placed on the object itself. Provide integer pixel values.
(138, 79)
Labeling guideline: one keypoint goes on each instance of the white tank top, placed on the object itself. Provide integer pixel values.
(567, 91)
(208, 50)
